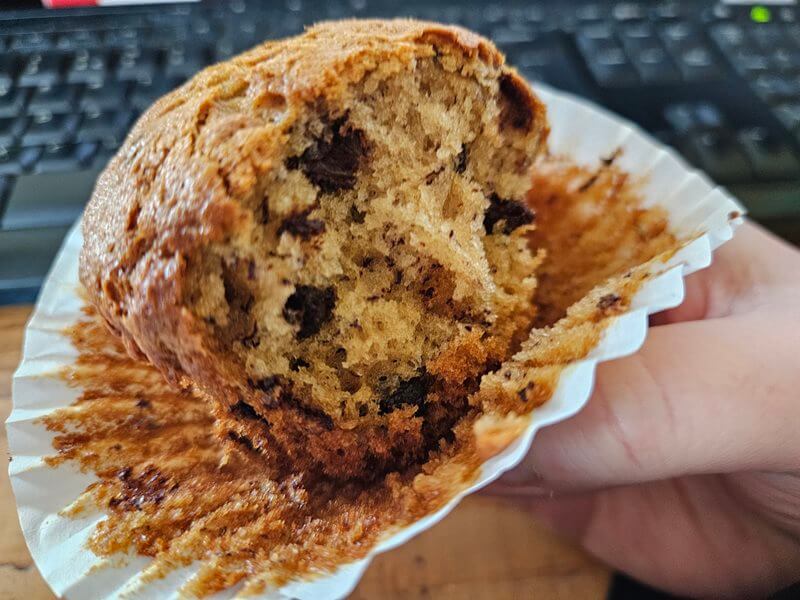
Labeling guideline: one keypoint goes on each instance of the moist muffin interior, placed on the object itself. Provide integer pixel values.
(391, 229)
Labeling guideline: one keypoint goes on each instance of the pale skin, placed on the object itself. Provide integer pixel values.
(684, 468)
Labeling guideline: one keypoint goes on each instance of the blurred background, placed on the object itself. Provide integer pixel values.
(719, 82)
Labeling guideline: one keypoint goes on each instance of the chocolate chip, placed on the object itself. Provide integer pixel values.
(356, 215)
(242, 410)
(523, 393)
(301, 226)
(515, 110)
(240, 439)
(309, 308)
(431, 177)
(461, 160)
(239, 297)
(252, 339)
(409, 391)
(266, 384)
(512, 212)
(142, 402)
(332, 160)
(363, 409)
(297, 363)
(609, 302)
(262, 213)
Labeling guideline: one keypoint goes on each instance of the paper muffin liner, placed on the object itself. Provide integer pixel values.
(696, 210)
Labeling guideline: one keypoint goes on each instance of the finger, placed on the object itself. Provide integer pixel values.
(742, 268)
(687, 536)
(700, 397)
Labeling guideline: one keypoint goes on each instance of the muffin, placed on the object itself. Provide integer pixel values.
(326, 236)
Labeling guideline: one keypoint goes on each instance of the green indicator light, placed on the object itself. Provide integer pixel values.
(760, 14)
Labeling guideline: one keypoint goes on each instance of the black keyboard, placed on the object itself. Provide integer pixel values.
(720, 84)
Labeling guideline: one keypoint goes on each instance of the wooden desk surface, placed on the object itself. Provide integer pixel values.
(485, 549)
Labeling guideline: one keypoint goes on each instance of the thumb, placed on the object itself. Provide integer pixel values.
(686, 535)
(700, 397)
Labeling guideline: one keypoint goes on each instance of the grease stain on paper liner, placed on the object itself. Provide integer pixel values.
(170, 492)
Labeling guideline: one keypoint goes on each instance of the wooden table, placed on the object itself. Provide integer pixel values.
(486, 548)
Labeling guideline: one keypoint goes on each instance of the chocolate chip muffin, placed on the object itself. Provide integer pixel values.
(326, 237)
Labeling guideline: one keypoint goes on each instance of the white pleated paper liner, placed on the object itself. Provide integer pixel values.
(580, 131)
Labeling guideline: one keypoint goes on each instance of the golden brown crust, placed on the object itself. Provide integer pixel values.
(188, 167)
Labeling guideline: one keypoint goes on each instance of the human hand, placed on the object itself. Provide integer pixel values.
(684, 468)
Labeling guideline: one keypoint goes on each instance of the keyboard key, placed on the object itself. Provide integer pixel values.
(47, 128)
(677, 32)
(125, 37)
(10, 130)
(513, 35)
(57, 158)
(48, 199)
(786, 59)
(164, 38)
(708, 115)
(720, 156)
(70, 157)
(41, 69)
(628, 11)
(17, 160)
(607, 60)
(651, 60)
(108, 96)
(788, 14)
(769, 36)
(494, 13)
(182, 63)
(729, 35)
(89, 66)
(13, 101)
(668, 10)
(136, 64)
(775, 88)
(594, 11)
(611, 74)
(29, 42)
(525, 57)
(27, 256)
(696, 63)
(718, 12)
(82, 39)
(750, 62)
(687, 117)
(640, 30)
(101, 157)
(680, 117)
(56, 99)
(107, 127)
(772, 158)
(145, 93)
(600, 31)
